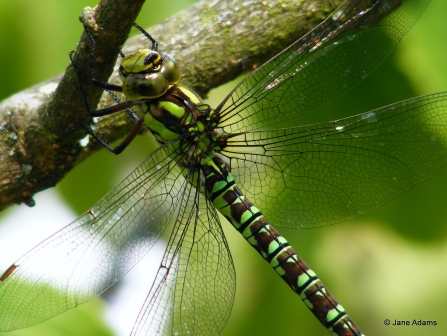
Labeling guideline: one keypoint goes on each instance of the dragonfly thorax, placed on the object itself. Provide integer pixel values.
(180, 113)
(148, 74)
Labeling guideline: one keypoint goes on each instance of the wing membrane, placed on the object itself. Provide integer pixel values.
(89, 255)
(194, 289)
(325, 173)
(322, 65)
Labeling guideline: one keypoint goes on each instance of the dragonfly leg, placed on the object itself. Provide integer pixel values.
(145, 33)
(123, 144)
(120, 106)
(96, 82)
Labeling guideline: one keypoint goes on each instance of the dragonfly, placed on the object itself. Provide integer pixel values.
(233, 161)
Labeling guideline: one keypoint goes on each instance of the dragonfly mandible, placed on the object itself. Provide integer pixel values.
(180, 181)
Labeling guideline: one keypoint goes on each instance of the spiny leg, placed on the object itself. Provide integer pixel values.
(109, 110)
(149, 37)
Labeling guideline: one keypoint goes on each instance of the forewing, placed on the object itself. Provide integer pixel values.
(325, 173)
(194, 290)
(322, 65)
(89, 255)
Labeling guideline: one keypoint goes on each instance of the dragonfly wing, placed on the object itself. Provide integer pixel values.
(89, 255)
(321, 174)
(195, 285)
(322, 65)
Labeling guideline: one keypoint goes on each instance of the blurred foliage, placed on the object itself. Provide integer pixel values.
(84, 320)
(386, 264)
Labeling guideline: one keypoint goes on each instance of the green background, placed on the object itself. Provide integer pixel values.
(389, 263)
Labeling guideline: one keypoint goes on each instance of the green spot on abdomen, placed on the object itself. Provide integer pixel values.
(218, 186)
(305, 277)
(334, 313)
(274, 245)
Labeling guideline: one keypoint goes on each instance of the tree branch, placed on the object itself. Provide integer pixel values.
(214, 42)
(35, 153)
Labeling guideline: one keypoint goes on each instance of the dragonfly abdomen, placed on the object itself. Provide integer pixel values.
(274, 248)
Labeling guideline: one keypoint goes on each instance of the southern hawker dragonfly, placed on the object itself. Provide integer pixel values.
(280, 152)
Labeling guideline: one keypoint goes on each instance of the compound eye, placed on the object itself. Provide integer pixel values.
(170, 69)
(143, 60)
(145, 86)
(151, 58)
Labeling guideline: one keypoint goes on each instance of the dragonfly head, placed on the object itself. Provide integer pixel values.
(148, 74)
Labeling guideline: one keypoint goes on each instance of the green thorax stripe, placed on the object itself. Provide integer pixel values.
(274, 248)
(172, 114)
